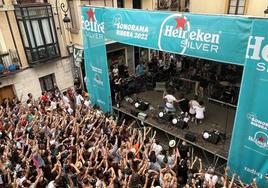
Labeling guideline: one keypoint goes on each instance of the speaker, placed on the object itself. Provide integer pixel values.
(143, 106)
(190, 137)
(214, 137)
(182, 124)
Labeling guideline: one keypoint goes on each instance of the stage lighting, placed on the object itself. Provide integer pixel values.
(211, 136)
(174, 121)
(161, 114)
(206, 135)
(137, 105)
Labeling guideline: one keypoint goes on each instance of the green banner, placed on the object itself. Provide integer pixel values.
(249, 147)
(97, 77)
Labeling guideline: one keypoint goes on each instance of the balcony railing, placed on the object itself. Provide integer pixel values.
(9, 62)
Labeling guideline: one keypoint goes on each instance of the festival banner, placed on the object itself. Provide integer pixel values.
(218, 38)
(230, 39)
(249, 146)
(97, 76)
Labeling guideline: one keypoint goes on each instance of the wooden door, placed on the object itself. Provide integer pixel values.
(7, 92)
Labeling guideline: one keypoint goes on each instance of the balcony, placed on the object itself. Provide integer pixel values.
(9, 63)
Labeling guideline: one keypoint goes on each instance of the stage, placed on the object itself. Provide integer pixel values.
(217, 117)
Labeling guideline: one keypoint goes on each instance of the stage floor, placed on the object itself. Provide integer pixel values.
(217, 117)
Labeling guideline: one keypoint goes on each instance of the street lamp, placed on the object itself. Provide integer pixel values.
(64, 9)
(266, 10)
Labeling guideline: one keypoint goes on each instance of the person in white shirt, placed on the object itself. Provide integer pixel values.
(78, 99)
(53, 104)
(87, 101)
(192, 104)
(156, 147)
(210, 177)
(170, 100)
(200, 112)
(115, 71)
(68, 109)
(65, 99)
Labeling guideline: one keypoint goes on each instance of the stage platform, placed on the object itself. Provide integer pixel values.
(217, 117)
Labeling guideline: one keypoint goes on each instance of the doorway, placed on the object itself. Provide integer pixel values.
(7, 92)
(136, 4)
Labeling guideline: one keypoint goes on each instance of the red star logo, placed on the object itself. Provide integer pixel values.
(90, 15)
(261, 139)
(180, 23)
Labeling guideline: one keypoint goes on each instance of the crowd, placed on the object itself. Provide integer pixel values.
(60, 140)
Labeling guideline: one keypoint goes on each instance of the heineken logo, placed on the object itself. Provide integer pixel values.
(177, 28)
(91, 25)
(258, 50)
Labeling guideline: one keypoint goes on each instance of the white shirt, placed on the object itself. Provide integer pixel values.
(87, 103)
(211, 178)
(51, 185)
(79, 99)
(193, 104)
(53, 105)
(156, 148)
(115, 71)
(20, 180)
(69, 110)
(170, 100)
(65, 100)
(199, 112)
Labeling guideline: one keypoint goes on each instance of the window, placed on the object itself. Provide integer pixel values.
(120, 3)
(136, 4)
(48, 82)
(173, 5)
(37, 29)
(236, 7)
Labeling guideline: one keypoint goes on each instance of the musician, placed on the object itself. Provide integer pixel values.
(140, 69)
(117, 86)
(170, 100)
(115, 71)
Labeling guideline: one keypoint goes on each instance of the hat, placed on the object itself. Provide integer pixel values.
(172, 143)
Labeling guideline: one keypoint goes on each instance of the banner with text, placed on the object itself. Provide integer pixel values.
(97, 77)
(219, 38)
(249, 147)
